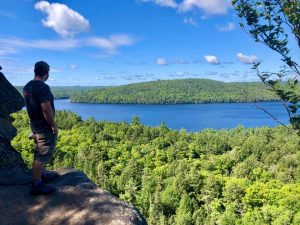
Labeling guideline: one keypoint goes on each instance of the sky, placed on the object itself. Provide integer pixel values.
(116, 42)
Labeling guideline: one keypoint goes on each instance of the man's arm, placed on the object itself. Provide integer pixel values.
(49, 116)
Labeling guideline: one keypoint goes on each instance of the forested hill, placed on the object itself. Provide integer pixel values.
(178, 92)
(61, 92)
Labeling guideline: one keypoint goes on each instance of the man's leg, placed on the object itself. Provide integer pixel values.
(48, 176)
(38, 187)
(37, 169)
(43, 153)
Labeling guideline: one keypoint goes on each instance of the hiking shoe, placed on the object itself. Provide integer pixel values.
(42, 189)
(49, 176)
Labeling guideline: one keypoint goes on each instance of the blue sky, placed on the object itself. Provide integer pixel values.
(114, 42)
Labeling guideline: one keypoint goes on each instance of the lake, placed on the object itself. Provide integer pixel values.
(192, 117)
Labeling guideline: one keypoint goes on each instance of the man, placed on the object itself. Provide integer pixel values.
(41, 111)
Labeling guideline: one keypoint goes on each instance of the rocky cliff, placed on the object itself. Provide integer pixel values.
(12, 167)
(77, 201)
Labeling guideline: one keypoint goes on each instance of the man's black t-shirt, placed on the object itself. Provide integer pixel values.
(36, 92)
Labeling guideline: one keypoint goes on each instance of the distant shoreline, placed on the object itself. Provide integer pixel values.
(200, 103)
(168, 92)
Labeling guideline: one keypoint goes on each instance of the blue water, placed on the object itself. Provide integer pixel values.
(192, 117)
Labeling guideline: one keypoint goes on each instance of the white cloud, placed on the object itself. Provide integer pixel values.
(180, 61)
(208, 6)
(13, 45)
(55, 70)
(7, 51)
(112, 42)
(109, 77)
(247, 59)
(63, 20)
(181, 73)
(161, 61)
(211, 59)
(73, 66)
(19, 69)
(167, 3)
(16, 68)
(227, 28)
(190, 21)
(59, 44)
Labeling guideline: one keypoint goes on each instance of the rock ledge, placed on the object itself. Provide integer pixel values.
(77, 201)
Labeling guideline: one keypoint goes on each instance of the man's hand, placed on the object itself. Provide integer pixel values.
(49, 116)
(54, 130)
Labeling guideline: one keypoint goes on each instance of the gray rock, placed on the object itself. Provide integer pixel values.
(77, 201)
(7, 130)
(9, 157)
(15, 176)
(10, 99)
(12, 166)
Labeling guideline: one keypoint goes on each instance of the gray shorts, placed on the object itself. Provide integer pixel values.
(44, 146)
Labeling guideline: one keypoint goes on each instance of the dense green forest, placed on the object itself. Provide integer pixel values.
(178, 92)
(62, 92)
(226, 177)
(168, 92)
